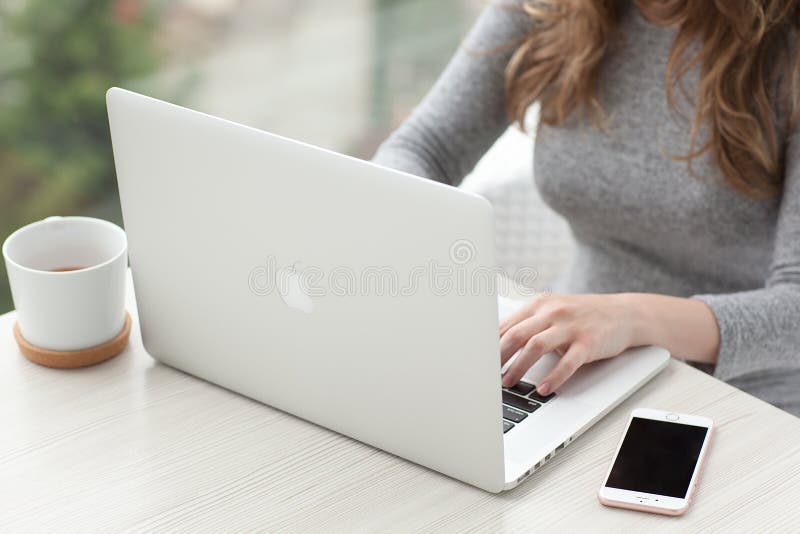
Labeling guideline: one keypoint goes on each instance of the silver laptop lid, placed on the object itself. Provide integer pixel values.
(307, 280)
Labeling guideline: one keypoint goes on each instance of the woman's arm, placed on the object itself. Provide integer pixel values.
(687, 328)
(740, 333)
(585, 328)
(760, 329)
(464, 113)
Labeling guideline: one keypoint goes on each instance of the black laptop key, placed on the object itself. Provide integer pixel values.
(520, 403)
(522, 388)
(507, 426)
(538, 398)
(512, 414)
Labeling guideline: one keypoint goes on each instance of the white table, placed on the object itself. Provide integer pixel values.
(134, 445)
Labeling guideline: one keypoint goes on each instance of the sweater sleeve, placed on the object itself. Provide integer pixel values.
(464, 112)
(760, 329)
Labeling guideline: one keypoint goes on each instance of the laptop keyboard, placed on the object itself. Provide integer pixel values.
(519, 401)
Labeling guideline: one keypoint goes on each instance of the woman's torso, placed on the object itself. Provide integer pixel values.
(642, 222)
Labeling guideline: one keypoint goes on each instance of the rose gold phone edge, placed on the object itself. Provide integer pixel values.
(692, 484)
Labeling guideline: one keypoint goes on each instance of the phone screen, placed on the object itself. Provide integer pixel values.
(657, 457)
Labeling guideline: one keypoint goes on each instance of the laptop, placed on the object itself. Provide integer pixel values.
(355, 297)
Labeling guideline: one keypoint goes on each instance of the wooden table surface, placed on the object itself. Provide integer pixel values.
(133, 445)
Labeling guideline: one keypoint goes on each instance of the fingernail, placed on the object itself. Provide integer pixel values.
(543, 389)
(507, 381)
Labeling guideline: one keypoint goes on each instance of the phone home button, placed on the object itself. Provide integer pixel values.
(672, 417)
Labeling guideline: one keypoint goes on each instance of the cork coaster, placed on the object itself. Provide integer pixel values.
(70, 359)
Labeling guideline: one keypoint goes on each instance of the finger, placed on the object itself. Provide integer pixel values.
(535, 348)
(515, 318)
(575, 356)
(518, 335)
(519, 315)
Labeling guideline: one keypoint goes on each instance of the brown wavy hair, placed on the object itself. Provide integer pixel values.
(747, 91)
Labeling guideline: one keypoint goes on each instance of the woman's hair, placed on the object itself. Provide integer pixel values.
(746, 94)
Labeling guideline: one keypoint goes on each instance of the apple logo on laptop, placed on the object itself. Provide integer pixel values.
(290, 289)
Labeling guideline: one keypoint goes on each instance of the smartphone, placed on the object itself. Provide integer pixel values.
(657, 462)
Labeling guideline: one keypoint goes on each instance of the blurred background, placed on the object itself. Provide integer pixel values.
(337, 74)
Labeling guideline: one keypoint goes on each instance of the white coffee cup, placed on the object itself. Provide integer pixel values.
(67, 278)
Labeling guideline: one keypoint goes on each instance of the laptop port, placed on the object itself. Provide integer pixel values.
(524, 475)
(561, 446)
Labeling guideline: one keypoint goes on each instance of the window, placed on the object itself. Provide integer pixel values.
(337, 74)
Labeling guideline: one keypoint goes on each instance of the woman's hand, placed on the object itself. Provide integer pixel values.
(585, 328)
(582, 328)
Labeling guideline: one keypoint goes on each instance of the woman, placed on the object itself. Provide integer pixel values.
(668, 143)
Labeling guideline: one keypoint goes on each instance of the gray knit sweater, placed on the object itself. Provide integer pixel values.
(641, 221)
